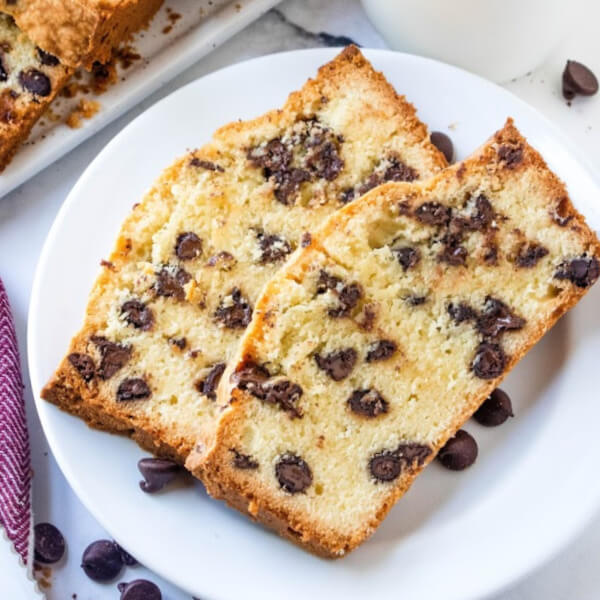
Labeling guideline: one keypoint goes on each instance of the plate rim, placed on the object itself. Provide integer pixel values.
(321, 55)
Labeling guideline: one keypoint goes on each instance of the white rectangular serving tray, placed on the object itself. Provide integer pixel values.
(195, 27)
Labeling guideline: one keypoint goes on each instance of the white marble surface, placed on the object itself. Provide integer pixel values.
(27, 213)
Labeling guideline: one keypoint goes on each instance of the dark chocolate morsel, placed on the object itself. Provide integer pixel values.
(459, 451)
(338, 364)
(188, 246)
(293, 474)
(46, 58)
(49, 543)
(208, 385)
(530, 254)
(139, 589)
(3, 71)
(443, 143)
(102, 560)
(461, 312)
(408, 257)
(348, 298)
(578, 79)
(510, 155)
(139, 315)
(496, 318)
(368, 403)
(170, 282)
(388, 464)
(433, 213)
(84, 365)
(157, 473)
(35, 82)
(133, 388)
(381, 350)
(495, 410)
(243, 461)
(582, 271)
(489, 361)
(273, 247)
(113, 356)
(234, 311)
(206, 164)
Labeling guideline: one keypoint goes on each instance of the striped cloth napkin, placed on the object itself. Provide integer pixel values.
(15, 470)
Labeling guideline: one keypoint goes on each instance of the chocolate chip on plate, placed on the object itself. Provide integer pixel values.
(139, 589)
(49, 544)
(293, 474)
(459, 452)
(495, 410)
(443, 143)
(102, 560)
(157, 473)
(578, 79)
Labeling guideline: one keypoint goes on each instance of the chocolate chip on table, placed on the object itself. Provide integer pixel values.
(113, 356)
(496, 318)
(35, 82)
(188, 246)
(243, 461)
(273, 247)
(157, 473)
(293, 474)
(128, 560)
(46, 58)
(381, 350)
(489, 361)
(459, 451)
(136, 313)
(338, 364)
(234, 311)
(208, 385)
(578, 79)
(139, 589)
(133, 388)
(102, 560)
(170, 282)
(368, 403)
(84, 365)
(443, 143)
(529, 254)
(407, 256)
(495, 410)
(582, 271)
(49, 544)
(387, 465)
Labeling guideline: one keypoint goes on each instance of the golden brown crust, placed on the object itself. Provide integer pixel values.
(506, 152)
(81, 32)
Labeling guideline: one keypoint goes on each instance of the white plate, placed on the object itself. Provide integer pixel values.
(203, 25)
(454, 536)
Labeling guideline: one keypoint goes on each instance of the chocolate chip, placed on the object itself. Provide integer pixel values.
(188, 246)
(46, 58)
(529, 254)
(489, 361)
(102, 561)
(35, 82)
(413, 300)
(139, 589)
(366, 319)
(139, 315)
(339, 364)
(578, 79)
(206, 164)
(113, 356)
(293, 474)
(84, 365)
(272, 157)
(306, 239)
(287, 184)
(325, 162)
(347, 195)
(491, 254)
(133, 388)
(234, 311)
(128, 560)
(459, 451)
(273, 247)
(495, 410)
(396, 170)
(443, 143)
(208, 385)
(381, 350)
(582, 271)
(497, 318)
(510, 155)
(407, 256)
(348, 295)
(223, 260)
(3, 71)
(562, 213)
(433, 213)
(170, 282)
(369, 403)
(388, 464)
(243, 461)
(180, 343)
(250, 376)
(49, 544)
(327, 282)
(461, 312)
(157, 473)
(452, 253)
(484, 214)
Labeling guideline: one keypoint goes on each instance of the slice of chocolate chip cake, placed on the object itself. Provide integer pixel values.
(29, 80)
(381, 337)
(177, 293)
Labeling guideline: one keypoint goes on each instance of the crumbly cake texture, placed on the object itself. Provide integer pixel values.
(379, 339)
(29, 79)
(175, 296)
(80, 32)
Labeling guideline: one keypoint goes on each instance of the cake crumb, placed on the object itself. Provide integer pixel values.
(85, 109)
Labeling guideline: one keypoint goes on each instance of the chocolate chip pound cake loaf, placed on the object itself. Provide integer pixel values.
(173, 300)
(80, 32)
(29, 80)
(385, 333)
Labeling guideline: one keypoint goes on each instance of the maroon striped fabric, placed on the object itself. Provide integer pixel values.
(15, 471)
